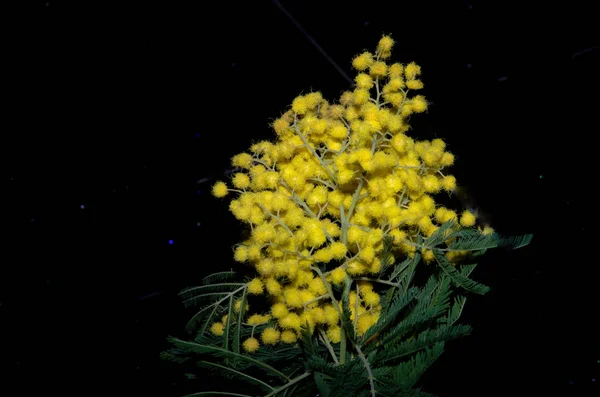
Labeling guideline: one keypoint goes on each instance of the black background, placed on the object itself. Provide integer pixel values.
(119, 115)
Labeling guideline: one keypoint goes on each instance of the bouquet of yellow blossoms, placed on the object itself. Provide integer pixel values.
(340, 212)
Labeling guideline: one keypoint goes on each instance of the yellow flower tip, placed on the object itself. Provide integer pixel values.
(240, 254)
(419, 103)
(467, 218)
(447, 159)
(449, 183)
(241, 180)
(288, 336)
(414, 84)
(251, 345)
(270, 336)
(334, 333)
(385, 44)
(378, 69)
(412, 70)
(486, 230)
(255, 287)
(338, 275)
(364, 81)
(219, 189)
(280, 126)
(242, 160)
(395, 70)
(217, 329)
(300, 105)
(362, 61)
(428, 256)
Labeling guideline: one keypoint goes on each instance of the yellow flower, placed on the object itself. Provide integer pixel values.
(242, 160)
(378, 69)
(257, 319)
(300, 105)
(255, 287)
(334, 333)
(467, 218)
(449, 183)
(219, 189)
(412, 70)
(288, 336)
(385, 44)
(363, 80)
(338, 275)
(363, 61)
(240, 254)
(217, 329)
(279, 310)
(251, 345)
(270, 336)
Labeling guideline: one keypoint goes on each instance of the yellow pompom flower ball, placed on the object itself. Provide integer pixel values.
(270, 336)
(251, 345)
(217, 329)
(467, 218)
(219, 189)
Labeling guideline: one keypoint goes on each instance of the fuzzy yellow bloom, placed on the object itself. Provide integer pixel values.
(300, 105)
(414, 84)
(270, 336)
(257, 319)
(364, 81)
(486, 230)
(251, 345)
(241, 180)
(338, 275)
(240, 254)
(412, 70)
(217, 329)
(395, 70)
(363, 61)
(219, 189)
(255, 287)
(279, 310)
(242, 160)
(378, 69)
(428, 256)
(467, 218)
(449, 183)
(371, 298)
(291, 321)
(334, 333)
(288, 336)
(273, 286)
(385, 44)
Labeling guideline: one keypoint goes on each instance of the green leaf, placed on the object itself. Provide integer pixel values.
(408, 373)
(389, 316)
(219, 276)
(196, 348)
(515, 242)
(237, 374)
(458, 278)
(425, 339)
(235, 344)
(456, 309)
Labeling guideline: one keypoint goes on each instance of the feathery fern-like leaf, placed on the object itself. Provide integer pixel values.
(426, 338)
(195, 348)
(408, 373)
(458, 278)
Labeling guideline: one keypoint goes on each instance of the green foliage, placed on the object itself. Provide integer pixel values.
(415, 322)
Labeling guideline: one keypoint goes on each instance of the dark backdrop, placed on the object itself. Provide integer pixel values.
(119, 115)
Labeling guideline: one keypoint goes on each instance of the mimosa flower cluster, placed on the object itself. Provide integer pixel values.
(321, 197)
